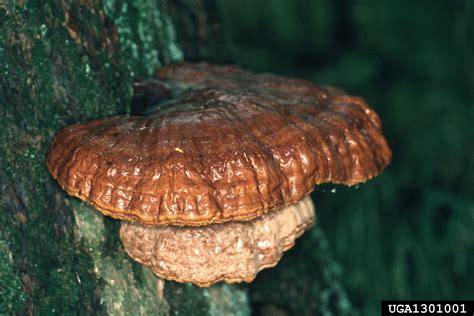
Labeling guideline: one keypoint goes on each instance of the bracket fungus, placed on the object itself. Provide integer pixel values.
(213, 185)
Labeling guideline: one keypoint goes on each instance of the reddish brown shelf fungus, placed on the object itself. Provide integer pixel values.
(224, 146)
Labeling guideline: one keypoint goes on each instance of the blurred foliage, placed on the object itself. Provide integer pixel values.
(409, 233)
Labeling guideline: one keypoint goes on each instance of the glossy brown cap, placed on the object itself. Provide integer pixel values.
(230, 252)
(229, 145)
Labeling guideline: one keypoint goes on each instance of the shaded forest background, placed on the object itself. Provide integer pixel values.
(409, 233)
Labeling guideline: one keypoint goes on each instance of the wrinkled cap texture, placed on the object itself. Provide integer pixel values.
(226, 144)
(231, 252)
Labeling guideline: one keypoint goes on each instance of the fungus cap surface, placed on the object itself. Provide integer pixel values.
(231, 252)
(229, 145)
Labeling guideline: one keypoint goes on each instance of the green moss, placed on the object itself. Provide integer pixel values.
(226, 299)
(122, 292)
(220, 299)
(147, 35)
(12, 298)
(194, 298)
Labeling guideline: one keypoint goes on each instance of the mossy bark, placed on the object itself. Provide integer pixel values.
(63, 62)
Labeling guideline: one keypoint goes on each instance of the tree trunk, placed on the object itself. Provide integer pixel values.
(63, 62)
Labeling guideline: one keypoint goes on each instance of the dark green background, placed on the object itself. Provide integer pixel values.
(409, 234)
